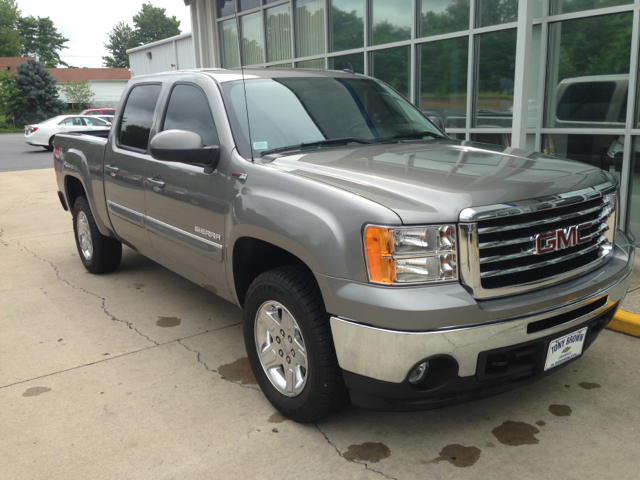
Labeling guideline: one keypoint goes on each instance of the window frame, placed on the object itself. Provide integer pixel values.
(118, 141)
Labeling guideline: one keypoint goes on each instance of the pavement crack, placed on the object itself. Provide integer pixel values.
(366, 466)
(209, 369)
(77, 367)
(102, 299)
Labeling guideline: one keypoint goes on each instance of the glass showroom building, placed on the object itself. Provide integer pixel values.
(556, 76)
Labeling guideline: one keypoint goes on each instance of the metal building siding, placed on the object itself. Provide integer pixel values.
(186, 57)
(163, 56)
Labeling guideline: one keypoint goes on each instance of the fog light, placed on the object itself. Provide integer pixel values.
(418, 373)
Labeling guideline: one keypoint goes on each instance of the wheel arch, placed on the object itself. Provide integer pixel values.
(252, 256)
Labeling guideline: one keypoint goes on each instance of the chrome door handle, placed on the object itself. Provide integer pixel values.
(155, 182)
(112, 169)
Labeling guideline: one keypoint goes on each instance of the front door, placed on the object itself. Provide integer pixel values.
(125, 164)
(186, 206)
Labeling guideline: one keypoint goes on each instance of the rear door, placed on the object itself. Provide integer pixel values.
(186, 206)
(125, 164)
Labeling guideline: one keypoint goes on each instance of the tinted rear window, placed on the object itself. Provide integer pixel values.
(586, 102)
(138, 116)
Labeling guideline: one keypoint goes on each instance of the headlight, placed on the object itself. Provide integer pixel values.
(411, 255)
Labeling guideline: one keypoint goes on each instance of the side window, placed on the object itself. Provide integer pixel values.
(93, 122)
(138, 116)
(66, 121)
(189, 110)
(108, 112)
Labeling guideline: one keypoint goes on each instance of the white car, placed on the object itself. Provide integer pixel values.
(41, 134)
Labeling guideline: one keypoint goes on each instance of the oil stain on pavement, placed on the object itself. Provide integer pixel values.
(589, 386)
(560, 410)
(516, 433)
(238, 371)
(34, 391)
(459, 455)
(166, 322)
(367, 452)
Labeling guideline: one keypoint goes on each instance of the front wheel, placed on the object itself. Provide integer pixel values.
(98, 253)
(289, 344)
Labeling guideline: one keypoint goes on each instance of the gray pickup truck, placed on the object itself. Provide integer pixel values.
(375, 259)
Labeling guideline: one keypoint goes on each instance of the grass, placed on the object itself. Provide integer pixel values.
(7, 127)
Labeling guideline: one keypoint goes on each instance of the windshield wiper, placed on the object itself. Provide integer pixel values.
(331, 141)
(415, 135)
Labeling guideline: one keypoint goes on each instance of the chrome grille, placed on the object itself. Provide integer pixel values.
(498, 254)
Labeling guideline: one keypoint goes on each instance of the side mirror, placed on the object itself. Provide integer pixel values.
(437, 121)
(185, 147)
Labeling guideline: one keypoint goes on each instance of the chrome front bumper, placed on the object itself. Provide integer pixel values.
(388, 355)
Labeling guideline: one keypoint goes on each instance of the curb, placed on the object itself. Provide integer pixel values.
(626, 322)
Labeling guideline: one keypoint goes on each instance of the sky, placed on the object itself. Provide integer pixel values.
(87, 23)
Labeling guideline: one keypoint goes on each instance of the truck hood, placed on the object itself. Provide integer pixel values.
(432, 181)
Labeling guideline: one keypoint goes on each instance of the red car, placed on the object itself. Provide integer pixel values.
(98, 111)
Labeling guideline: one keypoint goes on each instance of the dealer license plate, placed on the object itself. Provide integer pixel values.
(565, 348)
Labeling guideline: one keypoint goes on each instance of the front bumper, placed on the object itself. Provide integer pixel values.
(376, 361)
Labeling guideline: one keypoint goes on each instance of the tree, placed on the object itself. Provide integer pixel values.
(41, 40)
(11, 98)
(38, 88)
(119, 39)
(10, 39)
(77, 93)
(152, 24)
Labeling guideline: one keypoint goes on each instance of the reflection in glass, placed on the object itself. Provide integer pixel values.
(502, 139)
(281, 65)
(496, 12)
(278, 33)
(496, 73)
(247, 4)
(588, 73)
(309, 27)
(443, 16)
(229, 41)
(341, 62)
(602, 151)
(252, 39)
(534, 76)
(568, 6)
(391, 21)
(317, 64)
(633, 215)
(392, 66)
(225, 7)
(443, 80)
(347, 24)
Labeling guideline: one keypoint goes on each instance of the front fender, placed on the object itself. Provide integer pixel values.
(318, 223)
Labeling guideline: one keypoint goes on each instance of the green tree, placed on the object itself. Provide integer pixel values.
(38, 88)
(11, 98)
(10, 39)
(152, 24)
(77, 93)
(42, 40)
(348, 30)
(119, 39)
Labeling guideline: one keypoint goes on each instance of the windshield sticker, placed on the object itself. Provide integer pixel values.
(260, 145)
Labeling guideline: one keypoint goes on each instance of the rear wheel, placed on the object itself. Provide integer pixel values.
(289, 344)
(50, 146)
(98, 253)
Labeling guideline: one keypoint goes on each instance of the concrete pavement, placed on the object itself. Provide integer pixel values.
(142, 374)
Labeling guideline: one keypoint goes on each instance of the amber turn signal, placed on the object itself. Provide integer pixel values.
(379, 248)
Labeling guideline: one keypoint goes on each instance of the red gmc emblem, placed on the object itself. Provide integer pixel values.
(563, 238)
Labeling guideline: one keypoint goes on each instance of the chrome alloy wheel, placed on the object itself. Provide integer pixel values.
(84, 235)
(281, 348)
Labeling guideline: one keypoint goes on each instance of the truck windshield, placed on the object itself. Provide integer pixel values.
(305, 112)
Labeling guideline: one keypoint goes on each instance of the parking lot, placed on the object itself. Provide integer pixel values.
(142, 374)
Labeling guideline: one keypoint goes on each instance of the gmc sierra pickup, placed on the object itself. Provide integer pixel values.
(375, 259)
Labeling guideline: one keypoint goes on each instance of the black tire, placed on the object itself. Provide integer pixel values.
(106, 252)
(324, 391)
(50, 147)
